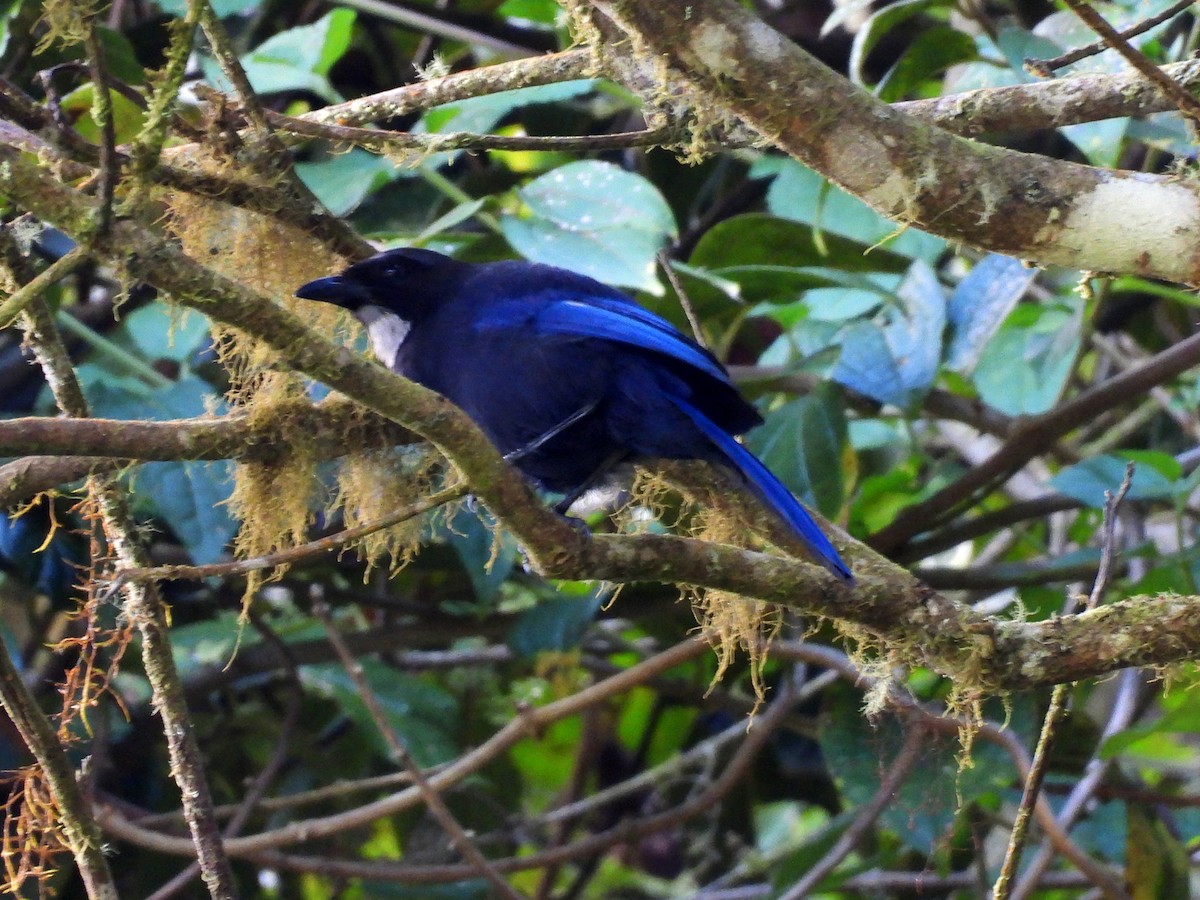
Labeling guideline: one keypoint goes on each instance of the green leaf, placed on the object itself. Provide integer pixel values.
(897, 361)
(296, 59)
(931, 53)
(1087, 481)
(802, 443)
(596, 219)
(761, 240)
(188, 496)
(343, 181)
(156, 331)
(423, 715)
(924, 808)
(488, 563)
(1024, 368)
(876, 28)
(480, 114)
(800, 194)
(556, 623)
(313, 48)
(545, 12)
(128, 117)
(1103, 142)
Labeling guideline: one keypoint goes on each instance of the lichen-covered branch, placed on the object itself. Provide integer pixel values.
(948, 636)
(331, 427)
(1044, 210)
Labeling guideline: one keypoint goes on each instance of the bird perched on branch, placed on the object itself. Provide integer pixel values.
(566, 376)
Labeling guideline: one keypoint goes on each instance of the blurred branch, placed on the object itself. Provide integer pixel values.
(79, 829)
(1034, 436)
(144, 607)
(1171, 90)
(893, 779)
(530, 720)
(400, 753)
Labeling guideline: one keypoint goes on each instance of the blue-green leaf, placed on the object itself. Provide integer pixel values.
(597, 219)
(980, 303)
(897, 361)
(343, 181)
(188, 496)
(1023, 369)
(1087, 481)
(802, 443)
(296, 59)
(800, 194)
(876, 28)
(222, 8)
(556, 623)
(422, 714)
(930, 54)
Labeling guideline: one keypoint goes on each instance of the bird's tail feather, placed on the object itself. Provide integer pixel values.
(771, 491)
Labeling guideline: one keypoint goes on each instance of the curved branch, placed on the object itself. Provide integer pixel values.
(948, 636)
(1028, 206)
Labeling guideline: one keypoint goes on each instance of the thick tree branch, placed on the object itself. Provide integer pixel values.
(1045, 210)
(947, 636)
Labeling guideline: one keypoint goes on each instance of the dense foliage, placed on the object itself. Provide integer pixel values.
(921, 394)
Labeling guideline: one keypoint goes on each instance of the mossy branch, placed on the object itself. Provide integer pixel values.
(919, 623)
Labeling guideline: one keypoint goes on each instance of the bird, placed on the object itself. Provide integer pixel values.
(566, 376)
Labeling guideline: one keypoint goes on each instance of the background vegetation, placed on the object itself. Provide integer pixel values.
(473, 701)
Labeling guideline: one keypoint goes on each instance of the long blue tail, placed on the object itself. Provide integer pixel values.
(771, 491)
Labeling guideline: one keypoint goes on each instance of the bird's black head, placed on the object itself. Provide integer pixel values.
(404, 282)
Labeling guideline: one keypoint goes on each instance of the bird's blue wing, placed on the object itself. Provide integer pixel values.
(606, 319)
(770, 490)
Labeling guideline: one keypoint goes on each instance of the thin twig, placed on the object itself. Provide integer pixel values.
(1187, 104)
(1123, 710)
(685, 302)
(902, 767)
(47, 278)
(627, 832)
(1058, 701)
(266, 776)
(153, 135)
(1045, 68)
(1029, 795)
(102, 112)
(1108, 540)
(498, 743)
(381, 141)
(400, 753)
(837, 661)
(291, 554)
(79, 828)
(145, 608)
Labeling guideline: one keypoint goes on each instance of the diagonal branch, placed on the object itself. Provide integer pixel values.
(1045, 210)
(948, 636)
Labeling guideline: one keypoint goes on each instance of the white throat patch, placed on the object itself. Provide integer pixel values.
(386, 330)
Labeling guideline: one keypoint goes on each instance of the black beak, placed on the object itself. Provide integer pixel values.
(337, 290)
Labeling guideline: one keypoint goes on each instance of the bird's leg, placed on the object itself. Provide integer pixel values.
(540, 440)
(603, 469)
